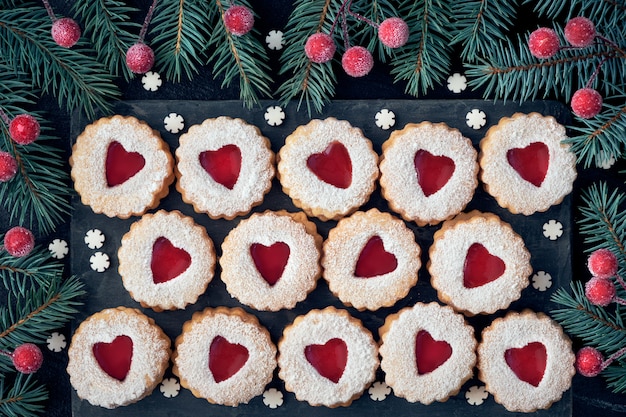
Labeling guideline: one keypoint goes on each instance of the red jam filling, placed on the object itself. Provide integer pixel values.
(225, 358)
(121, 165)
(430, 354)
(374, 260)
(528, 362)
(481, 267)
(270, 261)
(167, 261)
(115, 358)
(433, 172)
(223, 165)
(333, 166)
(531, 162)
(329, 359)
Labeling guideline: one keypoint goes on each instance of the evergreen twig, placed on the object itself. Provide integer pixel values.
(25, 398)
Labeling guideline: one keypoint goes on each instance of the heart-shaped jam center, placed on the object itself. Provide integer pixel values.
(528, 362)
(225, 358)
(333, 166)
(531, 162)
(223, 165)
(167, 261)
(374, 260)
(120, 165)
(481, 267)
(270, 261)
(329, 359)
(430, 354)
(115, 358)
(433, 172)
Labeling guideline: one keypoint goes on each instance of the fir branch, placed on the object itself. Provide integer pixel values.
(24, 399)
(20, 273)
(616, 376)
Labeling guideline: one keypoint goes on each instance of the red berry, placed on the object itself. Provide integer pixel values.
(65, 32)
(239, 20)
(580, 32)
(600, 291)
(19, 241)
(393, 32)
(602, 263)
(24, 129)
(586, 103)
(543, 43)
(27, 358)
(357, 61)
(140, 58)
(8, 167)
(589, 361)
(319, 48)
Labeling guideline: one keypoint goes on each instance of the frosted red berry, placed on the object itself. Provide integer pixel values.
(140, 58)
(27, 358)
(239, 20)
(586, 103)
(589, 361)
(65, 32)
(600, 291)
(19, 241)
(602, 263)
(24, 129)
(543, 43)
(8, 167)
(393, 32)
(320, 48)
(357, 61)
(580, 32)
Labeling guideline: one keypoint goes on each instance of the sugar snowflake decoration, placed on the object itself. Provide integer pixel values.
(385, 119)
(174, 123)
(56, 342)
(94, 239)
(476, 119)
(151, 81)
(58, 249)
(273, 398)
(274, 40)
(274, 116)
(553, 230)
(605, 161)
(542, 281)
(379, 391)
(476, 395)
(99, 262)
(457, 83)
(170, 387)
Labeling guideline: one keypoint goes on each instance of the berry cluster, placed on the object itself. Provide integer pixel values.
(24, 129)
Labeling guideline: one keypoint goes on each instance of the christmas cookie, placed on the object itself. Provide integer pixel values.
(428, 172)
(427, 352)
(370, 260)
(478, 264)
(225, 356)
(224, 167)
(121, 167)
(270, 261)
(328, 168)
(117, 357)
(327, 357)
(526, 361)
(166, 260)
(524, 163)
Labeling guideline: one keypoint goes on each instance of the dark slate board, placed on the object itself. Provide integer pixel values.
(105, 289)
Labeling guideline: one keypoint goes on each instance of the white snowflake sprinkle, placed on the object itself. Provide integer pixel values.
(476, 119)
(605, 161)
(174, 123)
(385, 119)
(58, 249)
(542, 281)
(169, 387)
(274, 115)
(553, 230)
(476, 395)
(99, 262)
(379, 391)
(274, 40)
(94, 239)
(56, 342)
(273, 398)
(457, 82)
(151, 81)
